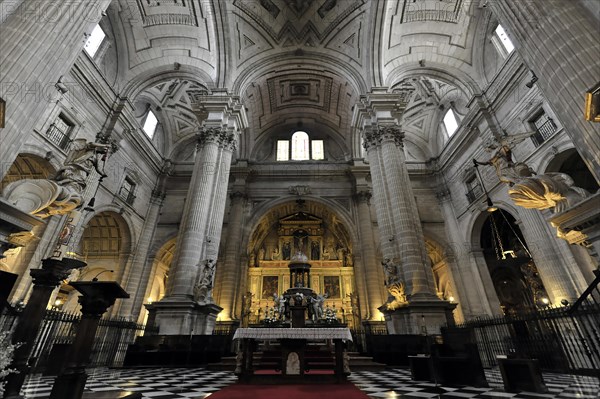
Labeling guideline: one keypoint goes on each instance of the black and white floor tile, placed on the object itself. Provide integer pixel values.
(397, 384)
(199, 383)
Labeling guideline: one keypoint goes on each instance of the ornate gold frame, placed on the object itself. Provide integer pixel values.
(592, 104)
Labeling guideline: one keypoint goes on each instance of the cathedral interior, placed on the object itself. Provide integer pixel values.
(435, 162)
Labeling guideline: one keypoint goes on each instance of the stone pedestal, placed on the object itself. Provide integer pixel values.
(97, 297)
(15, 226)
(580, 224)
(419, 317)
(183, 317)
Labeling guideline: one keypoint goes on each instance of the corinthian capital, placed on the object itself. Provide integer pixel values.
(392, 132)
(228, 140)
(371, 138)
(208, 135)
(363, 196)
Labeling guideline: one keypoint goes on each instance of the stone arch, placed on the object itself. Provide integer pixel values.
(570, 162)
(30, 164)
(269, 208)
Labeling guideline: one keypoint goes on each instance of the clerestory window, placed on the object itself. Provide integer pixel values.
(150, 124)
(94, 41)
(503, 43)
(302, 148)
(450, 122)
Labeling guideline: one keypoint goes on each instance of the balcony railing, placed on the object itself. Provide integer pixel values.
(544, 132)
(474, 193)
(58, 137)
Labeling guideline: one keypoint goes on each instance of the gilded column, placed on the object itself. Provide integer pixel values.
(558, 40)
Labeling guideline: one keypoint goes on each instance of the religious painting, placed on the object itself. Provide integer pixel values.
(270, 286)
(331, 286)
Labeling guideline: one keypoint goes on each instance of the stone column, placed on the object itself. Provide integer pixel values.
(217, 206)
(192, 230)
(227, 279)
(138, 276)
(39, 43)
(408, 234)
(561, 280)
(368, 275)
(413, 304)
(558, 40)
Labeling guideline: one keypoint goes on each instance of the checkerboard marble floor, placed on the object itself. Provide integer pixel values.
(199, 383)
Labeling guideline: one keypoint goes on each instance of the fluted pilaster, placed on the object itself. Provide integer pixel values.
(368, 275)
(40, 41)
(229, 271)
(137, 278)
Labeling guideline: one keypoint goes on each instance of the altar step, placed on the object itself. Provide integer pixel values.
(271, 360)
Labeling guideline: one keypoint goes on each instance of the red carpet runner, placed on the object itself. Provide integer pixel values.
(316, 391)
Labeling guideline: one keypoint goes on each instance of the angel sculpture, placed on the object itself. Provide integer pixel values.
(507, 170)
(280, 304)
(556, 191)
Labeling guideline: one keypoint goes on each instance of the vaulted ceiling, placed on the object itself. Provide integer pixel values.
(297, 62)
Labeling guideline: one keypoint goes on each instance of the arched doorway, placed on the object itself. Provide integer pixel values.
(514, 274)
(571, 163)
(105, 247)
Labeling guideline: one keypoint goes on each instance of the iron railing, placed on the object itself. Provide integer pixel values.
(58, 137)
(58, 331)
(544, 132)
(563, 339)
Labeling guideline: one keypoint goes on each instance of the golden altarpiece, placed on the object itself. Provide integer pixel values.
(327, 246)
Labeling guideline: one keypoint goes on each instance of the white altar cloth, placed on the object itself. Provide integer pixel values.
(294, 333)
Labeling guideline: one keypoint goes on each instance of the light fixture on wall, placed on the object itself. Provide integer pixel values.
(490, 205)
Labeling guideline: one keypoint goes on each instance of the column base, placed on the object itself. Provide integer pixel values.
(183, 317)
(419, 317)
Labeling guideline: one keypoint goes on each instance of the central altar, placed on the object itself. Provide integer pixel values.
(294, 352)
(279, 351)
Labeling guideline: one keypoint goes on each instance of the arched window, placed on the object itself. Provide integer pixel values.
(450, 122)
(502, 41)
(300, 149)
(94, 41)
(150, 124)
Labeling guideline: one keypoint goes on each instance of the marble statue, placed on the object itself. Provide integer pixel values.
(280, 305)
(204, 286)
(316, 306)
(63, 192)
(391, 271)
